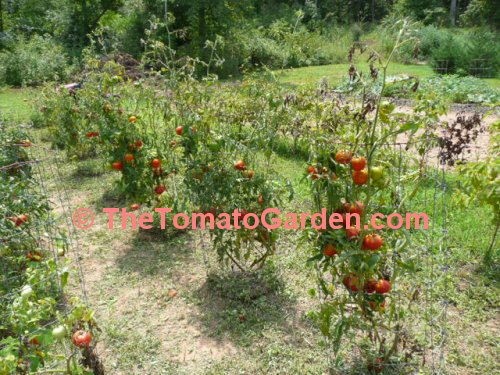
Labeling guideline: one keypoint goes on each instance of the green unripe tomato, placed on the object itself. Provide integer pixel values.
(59, 332)
(376, 173)
(26, 292)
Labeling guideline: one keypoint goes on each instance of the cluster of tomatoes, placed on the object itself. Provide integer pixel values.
(241, 166)
(157, 172)
(129, 157)
(19, 220)
(358, 166)
(374, 289)
(132, 158)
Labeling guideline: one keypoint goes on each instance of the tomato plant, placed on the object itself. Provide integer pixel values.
(359, 287)
(33, 273)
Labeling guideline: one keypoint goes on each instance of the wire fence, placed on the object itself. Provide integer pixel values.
(39, 249)
(423, 331)
(49, 189)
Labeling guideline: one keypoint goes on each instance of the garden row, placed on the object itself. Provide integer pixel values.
(202, 147)
(42, 327)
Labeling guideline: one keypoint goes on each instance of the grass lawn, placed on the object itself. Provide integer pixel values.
(15, 103)
(338, 73)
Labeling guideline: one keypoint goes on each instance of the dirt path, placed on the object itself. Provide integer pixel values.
(161, 311)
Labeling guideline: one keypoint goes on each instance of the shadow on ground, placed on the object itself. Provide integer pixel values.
(242, 305)
(151, 254)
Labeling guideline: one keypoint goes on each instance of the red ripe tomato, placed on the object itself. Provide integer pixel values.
(132, 119)
(21, 219)
(240, 165)
(135, 207)
(212, 211)
(261, 200)
(35, 256)
(354, 208)
(383, 286)
(138, 144)
(372, 242)
(160, 189)
(34, 341)
(92, 134)
(249, 174)
(343, 157)
(377, 365)
(310, 169)
(360, 177)
(179, 130)
(117, 166)
(155, 163)
(82, 338)
(358, 164)
(370, 285)
(340, 212)
(243, 213)
(351, 282)
(129, 158)
(329, 250)
(352, 233)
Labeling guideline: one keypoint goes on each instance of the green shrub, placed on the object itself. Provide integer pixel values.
(454, 50)
(33, 62)
(460, 49)
(282, 45)
(484, 44)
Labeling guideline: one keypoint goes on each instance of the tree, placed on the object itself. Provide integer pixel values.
(482, 12)
(453, 12)
(85, 16)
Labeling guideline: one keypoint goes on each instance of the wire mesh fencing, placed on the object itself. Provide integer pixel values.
(414, 316)
(42, 288)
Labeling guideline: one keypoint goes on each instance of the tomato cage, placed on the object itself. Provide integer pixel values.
(43, 300)
(401, 327)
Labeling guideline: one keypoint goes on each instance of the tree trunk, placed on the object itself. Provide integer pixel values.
(1, 16)
(202, 28)
(453, 12)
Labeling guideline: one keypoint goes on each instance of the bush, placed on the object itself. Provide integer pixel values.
(280, 45)
(460, 49)
(33, 62)
(452, 52)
